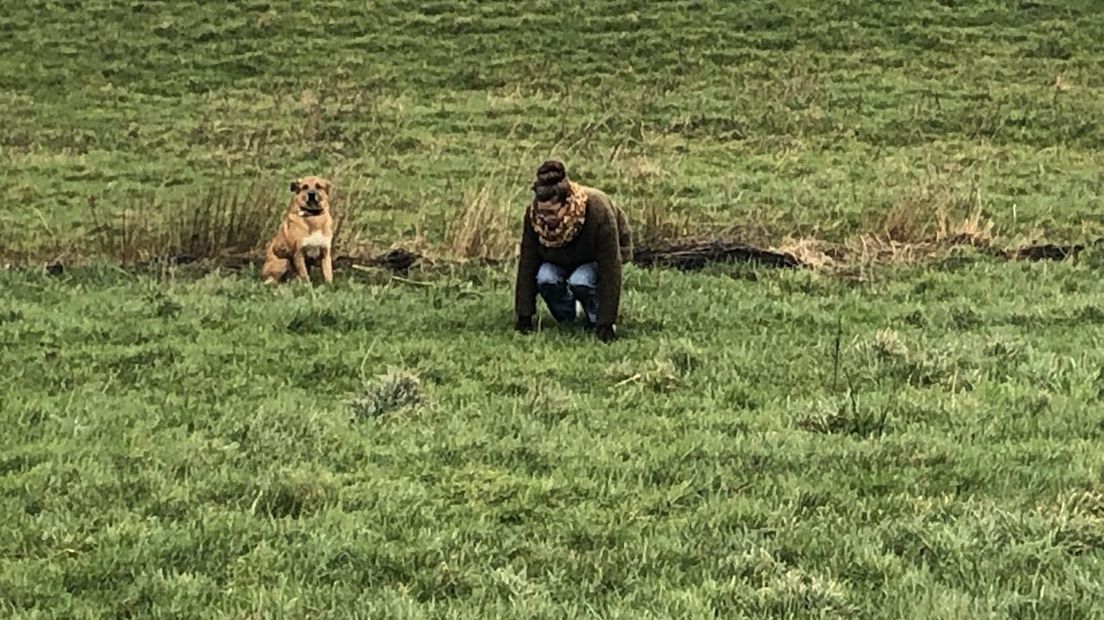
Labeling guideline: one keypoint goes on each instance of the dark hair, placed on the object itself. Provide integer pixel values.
(551, 183)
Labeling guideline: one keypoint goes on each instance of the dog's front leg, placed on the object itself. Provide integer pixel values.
(327, 265)
(301, 266)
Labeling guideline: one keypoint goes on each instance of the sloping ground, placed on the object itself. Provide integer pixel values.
(788, 118)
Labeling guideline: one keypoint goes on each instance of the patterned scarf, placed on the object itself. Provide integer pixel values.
(572, 216)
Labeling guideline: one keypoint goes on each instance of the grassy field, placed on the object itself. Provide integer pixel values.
(774, 118)
(885, 440)
(190, 447)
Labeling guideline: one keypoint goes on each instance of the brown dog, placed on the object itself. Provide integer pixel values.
(306, 230)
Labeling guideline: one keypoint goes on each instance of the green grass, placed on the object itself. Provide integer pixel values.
(772, 117)
(890, 441)
(177, 446)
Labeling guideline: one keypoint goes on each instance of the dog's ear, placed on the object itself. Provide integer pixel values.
(326, 185)
(294, 186)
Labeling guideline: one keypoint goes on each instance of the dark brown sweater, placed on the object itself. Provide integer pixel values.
(605, 238)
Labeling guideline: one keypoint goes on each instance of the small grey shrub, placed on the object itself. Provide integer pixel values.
(396, 390)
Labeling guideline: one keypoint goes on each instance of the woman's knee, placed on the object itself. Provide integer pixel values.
(549, 276)
(585, 277)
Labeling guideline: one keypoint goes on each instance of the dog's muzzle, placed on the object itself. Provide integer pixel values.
(312, 206)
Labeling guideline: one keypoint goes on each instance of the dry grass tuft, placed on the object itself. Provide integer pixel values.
(868, 249)
(907, 221)
(397, 390)
(810, 252)
(221, 222)
(653, 222)
(351, 230)
(936, 211)
(651, 208)
(972, 229)
(224, 222)
(934, 216)
(887, 344)
(486, 226)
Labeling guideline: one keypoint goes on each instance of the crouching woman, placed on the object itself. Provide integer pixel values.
(573, 242)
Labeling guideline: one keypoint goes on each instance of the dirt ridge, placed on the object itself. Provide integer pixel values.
(685, 255)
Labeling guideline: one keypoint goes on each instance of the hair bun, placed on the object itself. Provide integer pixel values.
(551, 172)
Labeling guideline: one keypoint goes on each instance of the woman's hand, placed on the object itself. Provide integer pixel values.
(606, 333)
(524, 324)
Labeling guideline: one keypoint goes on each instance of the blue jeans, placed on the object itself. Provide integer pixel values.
(560, 289)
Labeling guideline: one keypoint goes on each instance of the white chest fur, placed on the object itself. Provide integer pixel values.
(314, 243)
